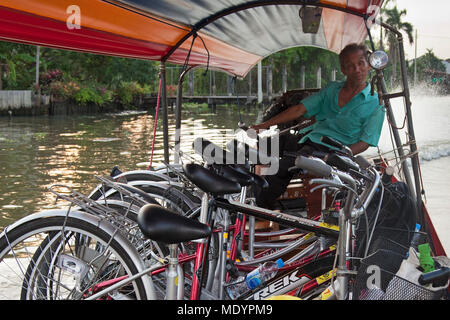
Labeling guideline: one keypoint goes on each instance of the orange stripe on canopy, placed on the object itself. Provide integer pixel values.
(102, 16)
(149, 29)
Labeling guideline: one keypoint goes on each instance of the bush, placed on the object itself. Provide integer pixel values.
(93, 94)
(51, 82)
(59, 87)
(128, 91)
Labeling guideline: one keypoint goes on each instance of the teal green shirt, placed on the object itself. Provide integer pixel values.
(361, 119)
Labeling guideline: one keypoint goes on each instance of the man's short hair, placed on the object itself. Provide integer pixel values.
(350, 48)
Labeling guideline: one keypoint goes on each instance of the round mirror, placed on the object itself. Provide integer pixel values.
(378, 60)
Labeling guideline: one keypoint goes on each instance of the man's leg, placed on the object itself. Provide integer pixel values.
(277, 184)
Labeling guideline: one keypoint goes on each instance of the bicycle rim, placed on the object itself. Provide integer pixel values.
(63, 258)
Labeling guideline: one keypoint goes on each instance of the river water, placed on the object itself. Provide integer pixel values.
(36, 152)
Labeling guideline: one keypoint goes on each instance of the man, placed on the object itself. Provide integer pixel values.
(344, 111)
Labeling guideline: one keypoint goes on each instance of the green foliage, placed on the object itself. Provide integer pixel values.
(127, 91)
(17, 66)
(93, 94)
(393, 17)
(427, 65)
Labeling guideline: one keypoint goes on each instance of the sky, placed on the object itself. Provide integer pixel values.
(431, 19)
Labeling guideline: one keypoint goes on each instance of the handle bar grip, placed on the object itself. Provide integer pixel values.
(332, 142)
(314, 166)
(362, 162)
(441, 275)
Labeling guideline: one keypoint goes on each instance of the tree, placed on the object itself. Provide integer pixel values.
(394, 18)
(14, 58)
(427, 65)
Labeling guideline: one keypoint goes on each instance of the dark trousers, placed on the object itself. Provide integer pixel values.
(278, 182)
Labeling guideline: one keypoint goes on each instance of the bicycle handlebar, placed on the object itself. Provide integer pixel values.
(314, 166)
(438, 277)
(336, 144)
(362, 162)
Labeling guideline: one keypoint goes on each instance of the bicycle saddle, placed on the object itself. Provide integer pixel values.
(162, 225)
(211, 152)
(209, 181)
(257, 179)
(241, 177)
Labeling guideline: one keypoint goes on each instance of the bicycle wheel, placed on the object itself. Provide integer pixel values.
(58, 257)
(166, 196)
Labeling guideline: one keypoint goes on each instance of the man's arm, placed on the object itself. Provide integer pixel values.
(359, 147)
(287, 115)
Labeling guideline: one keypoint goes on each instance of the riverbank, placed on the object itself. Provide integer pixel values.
(67, 108)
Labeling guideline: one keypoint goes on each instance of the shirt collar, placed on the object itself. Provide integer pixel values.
(366, 90)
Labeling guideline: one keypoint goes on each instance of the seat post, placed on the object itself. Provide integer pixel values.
(172, 287)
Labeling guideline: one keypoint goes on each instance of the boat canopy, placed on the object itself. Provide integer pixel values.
(231, 35)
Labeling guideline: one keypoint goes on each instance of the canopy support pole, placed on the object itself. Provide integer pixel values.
(411, 135)
(164, 111)
(178, 115)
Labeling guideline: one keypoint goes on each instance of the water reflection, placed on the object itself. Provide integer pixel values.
(36, 152)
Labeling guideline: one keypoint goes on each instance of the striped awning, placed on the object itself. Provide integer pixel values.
(232, 35)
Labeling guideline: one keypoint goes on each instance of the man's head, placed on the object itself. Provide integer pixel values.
(354, 62)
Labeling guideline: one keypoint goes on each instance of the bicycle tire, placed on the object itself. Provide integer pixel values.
(45, 262)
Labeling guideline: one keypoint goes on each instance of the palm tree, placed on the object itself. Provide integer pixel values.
(394, 18)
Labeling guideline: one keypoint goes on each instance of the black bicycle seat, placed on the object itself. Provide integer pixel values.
(162, 225)
(241, 177)
(209, 181)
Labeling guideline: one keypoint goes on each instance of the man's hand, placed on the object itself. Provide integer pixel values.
(359, 147)
(287, 115)
(258, 127)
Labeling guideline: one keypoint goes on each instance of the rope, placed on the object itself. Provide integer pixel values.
(156, 123)
(188, 56)
(207, 51)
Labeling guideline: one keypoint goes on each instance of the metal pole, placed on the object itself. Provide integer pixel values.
(398, 141)
(284, 78)
(37, 65)
(260, 94)
(36, 81)
(415, 61)
(319, 77)
(269, 83)
(164, 111)
(179, 104)
(249, 85)
(412, 137)
(302, 77)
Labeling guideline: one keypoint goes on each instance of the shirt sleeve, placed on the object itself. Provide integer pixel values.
(372, 126)
(313, 103)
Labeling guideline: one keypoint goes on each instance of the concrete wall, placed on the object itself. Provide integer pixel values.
(15, 99)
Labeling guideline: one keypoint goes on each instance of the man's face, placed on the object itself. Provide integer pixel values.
(355, 67)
